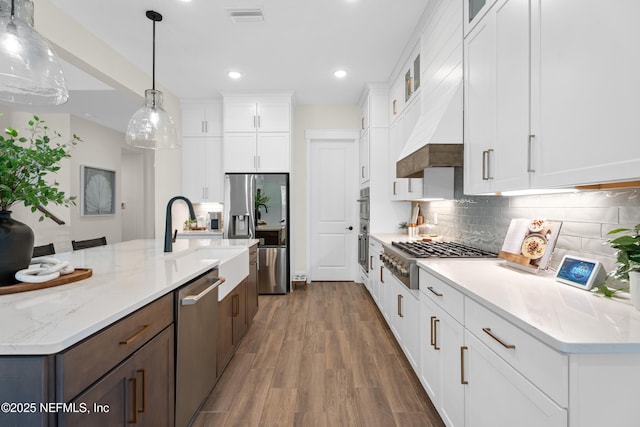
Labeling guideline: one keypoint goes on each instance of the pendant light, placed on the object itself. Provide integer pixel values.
(29, 69)
(151, 126)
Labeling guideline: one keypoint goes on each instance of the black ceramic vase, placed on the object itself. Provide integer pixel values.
(16, 247)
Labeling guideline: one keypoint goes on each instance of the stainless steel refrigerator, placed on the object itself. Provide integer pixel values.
(257, 206)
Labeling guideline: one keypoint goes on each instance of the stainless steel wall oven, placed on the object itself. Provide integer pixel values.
(363, 236)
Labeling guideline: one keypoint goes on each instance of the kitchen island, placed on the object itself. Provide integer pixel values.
(117, 324)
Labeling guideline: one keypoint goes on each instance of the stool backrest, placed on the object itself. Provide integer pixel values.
(89, 243)
(44, 250)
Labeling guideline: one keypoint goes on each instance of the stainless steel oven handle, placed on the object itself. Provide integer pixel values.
(193, 299)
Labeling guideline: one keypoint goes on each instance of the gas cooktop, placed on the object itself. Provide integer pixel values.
(442, 250)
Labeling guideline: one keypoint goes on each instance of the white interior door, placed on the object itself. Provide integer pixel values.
(132, 195)
(332, 196)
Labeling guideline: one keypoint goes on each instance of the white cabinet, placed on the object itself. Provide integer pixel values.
(201, 118)
(375, 269)
(364, 158)
(256, 152)
(497, 395)
(257, 133)
(510, 377)
(202, 172)
(585, 90)
(260, 115)
(202, 176)
(539, 117)
(441, 341)
(401, 189)
(497, 100)
(479, 370)
(404, 316)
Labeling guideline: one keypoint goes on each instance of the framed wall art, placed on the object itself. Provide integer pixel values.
(97, 191)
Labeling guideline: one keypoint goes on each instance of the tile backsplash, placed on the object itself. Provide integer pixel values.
(586, 216)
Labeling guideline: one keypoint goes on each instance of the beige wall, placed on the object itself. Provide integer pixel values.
(310, 117)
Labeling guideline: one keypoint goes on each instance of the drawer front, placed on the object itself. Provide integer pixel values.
(84, 363)
(451, 300)
(540, 364)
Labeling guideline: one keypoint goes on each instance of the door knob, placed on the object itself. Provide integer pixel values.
(349, 228)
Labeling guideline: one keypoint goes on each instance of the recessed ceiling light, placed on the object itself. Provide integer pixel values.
(235, 75)
(341, 74)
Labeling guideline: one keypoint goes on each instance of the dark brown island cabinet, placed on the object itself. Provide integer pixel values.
(252, 284)
(236, 312)
(123, 375)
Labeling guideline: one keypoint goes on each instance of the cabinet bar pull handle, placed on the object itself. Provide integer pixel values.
(394, 188)
(135, 401)
(435, 334)
(233, 306)
(144, 389)
(258, 122)
(381, 280)
(485, 155)
(488, 332)
(193, 299)
(433, 291)
(202, 126)
(400, 306)
(394, 107)
(254, 122)
(362, 173)
(530, 153)
(462, 380)
(409, 184)
(362, 125)
(370, 262)
(136, 335)
(431, 337)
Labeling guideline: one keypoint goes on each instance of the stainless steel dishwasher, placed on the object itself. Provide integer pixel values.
(196, 319)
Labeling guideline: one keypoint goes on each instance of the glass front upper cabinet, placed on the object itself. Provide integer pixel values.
(474, 7)
(474, 10)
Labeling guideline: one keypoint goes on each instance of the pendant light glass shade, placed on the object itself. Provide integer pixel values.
(151, 126)
(29, 69)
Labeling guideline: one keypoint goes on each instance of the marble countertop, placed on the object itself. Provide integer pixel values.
(126, 277)
(568, 319)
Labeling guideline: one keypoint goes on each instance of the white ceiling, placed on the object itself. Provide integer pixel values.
(297, 47)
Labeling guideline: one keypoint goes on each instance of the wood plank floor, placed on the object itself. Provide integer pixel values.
(323, 356)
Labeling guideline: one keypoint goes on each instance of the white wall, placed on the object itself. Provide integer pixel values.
(308, 117)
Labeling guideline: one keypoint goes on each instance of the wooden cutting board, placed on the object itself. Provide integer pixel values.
(78, 274)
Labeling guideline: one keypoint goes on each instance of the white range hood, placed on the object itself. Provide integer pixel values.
(436, 138)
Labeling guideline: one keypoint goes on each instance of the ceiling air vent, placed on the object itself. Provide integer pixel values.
(245, 15)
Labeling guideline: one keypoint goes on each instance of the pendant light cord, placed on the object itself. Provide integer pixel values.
(13, 8)
(153, 66)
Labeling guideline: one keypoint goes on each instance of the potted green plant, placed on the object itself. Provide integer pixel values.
(628, 260)
(261, 200)
(24, 164)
